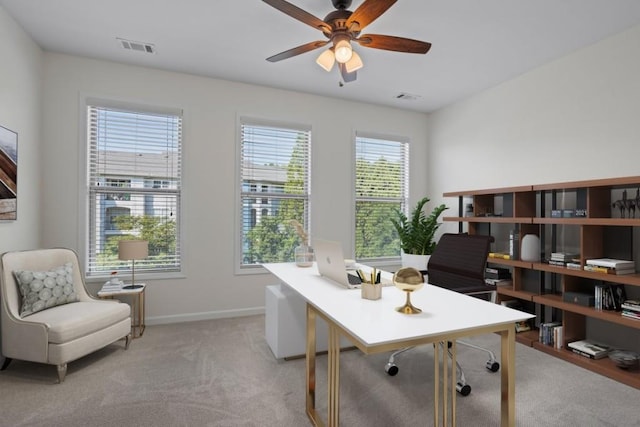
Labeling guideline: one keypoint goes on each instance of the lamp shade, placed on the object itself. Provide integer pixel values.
(354, 64)
(133, 249)
(326, 60)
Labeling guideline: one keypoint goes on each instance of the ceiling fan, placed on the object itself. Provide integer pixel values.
(341, 27)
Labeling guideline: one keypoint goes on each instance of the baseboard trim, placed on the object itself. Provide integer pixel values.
(209, 315)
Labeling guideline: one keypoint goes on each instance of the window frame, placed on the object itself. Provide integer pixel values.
(385, 260)
(85, 204)
(239, 267)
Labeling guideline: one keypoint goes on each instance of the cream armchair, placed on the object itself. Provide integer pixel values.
(61, 333)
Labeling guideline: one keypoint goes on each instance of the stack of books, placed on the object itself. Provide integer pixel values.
(609, 297)
(551, 334)
(590, 349)
(631, 308)
(497, 276)
(562, 258)
(610, 266)
(112, 286)
(498, 282)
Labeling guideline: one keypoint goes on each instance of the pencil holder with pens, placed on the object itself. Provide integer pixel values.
(371, 291)
(370, 288)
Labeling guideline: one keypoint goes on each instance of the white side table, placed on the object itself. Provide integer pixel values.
(137, 306)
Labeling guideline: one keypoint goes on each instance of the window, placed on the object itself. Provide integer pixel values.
(274, 159)
(381, 187)
(134, 163)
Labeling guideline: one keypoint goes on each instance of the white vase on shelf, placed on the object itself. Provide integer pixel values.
(530, 249)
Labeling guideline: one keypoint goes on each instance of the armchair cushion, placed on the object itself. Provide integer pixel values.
(69, 322)
(45, 289)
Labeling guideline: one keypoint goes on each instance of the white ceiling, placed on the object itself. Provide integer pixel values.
(477, 44)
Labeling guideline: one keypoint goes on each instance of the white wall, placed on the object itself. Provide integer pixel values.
(20, 99)
(573, 119)
(211, 108)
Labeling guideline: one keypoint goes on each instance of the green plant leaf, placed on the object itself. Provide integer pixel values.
(417, 232)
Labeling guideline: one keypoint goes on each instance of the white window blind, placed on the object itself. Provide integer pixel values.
(274, 189)
(381, 187)
(134, 184)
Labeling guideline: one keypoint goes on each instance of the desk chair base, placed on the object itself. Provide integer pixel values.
(461, 384)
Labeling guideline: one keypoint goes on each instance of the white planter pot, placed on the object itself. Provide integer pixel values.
(419, 262)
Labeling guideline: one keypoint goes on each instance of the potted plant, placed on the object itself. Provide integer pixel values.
(417, 233)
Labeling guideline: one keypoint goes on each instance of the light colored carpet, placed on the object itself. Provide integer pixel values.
(222, 373)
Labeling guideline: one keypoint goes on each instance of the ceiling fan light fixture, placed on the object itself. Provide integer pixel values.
(354, 64)
(343, 51)
(326, 60)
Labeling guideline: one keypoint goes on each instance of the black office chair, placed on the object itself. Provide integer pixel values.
(458, 263)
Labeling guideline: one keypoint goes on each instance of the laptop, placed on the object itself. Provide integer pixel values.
(330, 261)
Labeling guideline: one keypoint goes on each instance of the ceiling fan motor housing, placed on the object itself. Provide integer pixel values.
(337, 20)
(341, 4)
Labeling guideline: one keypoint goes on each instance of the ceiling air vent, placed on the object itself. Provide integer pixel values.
(407, 96)
(137, 46)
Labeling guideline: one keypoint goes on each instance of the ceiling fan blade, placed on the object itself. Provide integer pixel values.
(368, 12)
(398, 44)
(347, 77)
(297, 51)
(299, 14)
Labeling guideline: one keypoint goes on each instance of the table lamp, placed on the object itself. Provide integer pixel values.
(133, 250)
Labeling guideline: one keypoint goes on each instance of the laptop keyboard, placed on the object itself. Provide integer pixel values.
(354, 280)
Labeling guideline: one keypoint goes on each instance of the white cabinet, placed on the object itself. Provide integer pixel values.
(285, 324)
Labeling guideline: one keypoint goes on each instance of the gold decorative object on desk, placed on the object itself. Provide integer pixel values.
(408, 279)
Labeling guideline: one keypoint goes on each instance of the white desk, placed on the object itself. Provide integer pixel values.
(375, 326)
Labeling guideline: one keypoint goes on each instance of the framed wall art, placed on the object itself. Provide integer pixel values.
(8, 174)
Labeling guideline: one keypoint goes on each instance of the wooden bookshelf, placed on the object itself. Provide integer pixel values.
(529, 210)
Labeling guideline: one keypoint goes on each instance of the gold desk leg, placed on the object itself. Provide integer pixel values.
(454, 378)
(311, 367)
(333, 381)
(445, 384)
(508, 382)
(448, 392)
(436, 384)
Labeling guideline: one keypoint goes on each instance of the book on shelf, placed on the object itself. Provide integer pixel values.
(523, 326)
(628, 307)
(111, 287)
(558, 336)
(619, 295)
(633, 314)
(612, 263)
(609, 297)
(609, 270)
(589, 349)
(574, 266)
(557, 263)
(498, 282)
(499, 255)
(546, 332)
(563, 256)
(497, 273)
(631, 304)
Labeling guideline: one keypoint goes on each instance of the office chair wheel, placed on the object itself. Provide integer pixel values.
(463, 389)
(493, 366)
(391, 369)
